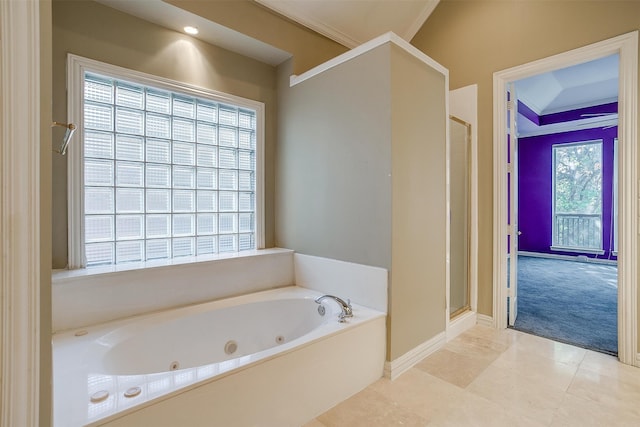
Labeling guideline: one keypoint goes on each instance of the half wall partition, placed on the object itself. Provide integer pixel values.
(361, 177)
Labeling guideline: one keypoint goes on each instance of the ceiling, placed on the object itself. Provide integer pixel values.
(353, 22)
(348, 22)
(172, 17)
(579, 86)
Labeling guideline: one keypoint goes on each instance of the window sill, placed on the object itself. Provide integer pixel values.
(579, 250)
(64, 275)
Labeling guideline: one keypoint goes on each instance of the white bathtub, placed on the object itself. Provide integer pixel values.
(267, 359)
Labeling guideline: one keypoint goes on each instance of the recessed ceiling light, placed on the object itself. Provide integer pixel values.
(191, 30)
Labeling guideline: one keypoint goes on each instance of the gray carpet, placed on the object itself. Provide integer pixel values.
(569, 301)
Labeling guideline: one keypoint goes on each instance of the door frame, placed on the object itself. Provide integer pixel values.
(20, 209)
(626, 46)
(512, 208)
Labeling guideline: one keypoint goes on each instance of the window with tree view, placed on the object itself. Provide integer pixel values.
(577, 222)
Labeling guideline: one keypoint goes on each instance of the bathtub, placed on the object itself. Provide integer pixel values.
(264, 359)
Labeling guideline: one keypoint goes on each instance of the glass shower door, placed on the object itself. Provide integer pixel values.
(460, 148)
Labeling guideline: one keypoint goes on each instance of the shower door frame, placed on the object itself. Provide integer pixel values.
(463, 103)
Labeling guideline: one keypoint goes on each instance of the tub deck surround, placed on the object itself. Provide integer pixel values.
(97, 295)
(135, 355)
(102, 294)
(364, 284)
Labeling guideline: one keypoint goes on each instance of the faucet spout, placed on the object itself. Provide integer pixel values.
(346, 312)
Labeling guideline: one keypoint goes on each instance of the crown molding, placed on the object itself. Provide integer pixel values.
(294, 11)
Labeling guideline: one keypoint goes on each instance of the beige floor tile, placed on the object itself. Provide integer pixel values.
(577, 412)
(551, 349)
(610, 366)
(477, 346)
(540, 369)
(472, 410)
(487, 377)
(502, 336)
(419, 392)
(621, 395)
(314, 423)
(370, 409)
(517, 393)
(455, 368)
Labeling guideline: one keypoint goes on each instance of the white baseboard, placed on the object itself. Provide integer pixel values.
(397, 367)
(638, 360)
(460, 324)
(578, 258)
(484, 320)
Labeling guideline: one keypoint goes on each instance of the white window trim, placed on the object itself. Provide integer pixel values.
(77, 66)
(554, 245)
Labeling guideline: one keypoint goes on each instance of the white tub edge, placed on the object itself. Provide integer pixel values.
(289, 390)
(373, 339)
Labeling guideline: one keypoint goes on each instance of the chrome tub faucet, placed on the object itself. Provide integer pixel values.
(346, 308)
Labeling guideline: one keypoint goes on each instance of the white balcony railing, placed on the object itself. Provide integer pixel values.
(577, 231)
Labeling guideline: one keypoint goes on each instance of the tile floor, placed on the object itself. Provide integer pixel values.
(487, 377)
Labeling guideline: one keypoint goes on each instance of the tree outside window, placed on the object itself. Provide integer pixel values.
(578, 195)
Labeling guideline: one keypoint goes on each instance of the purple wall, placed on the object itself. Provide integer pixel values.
(566, 116)
(535, 164)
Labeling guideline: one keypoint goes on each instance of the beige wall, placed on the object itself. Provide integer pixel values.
(248, 17)
(361, 178)
(334, 162)
(95, 31)
(475, 38)
(418, 237)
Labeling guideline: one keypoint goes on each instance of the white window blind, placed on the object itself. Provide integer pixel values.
(166, 174)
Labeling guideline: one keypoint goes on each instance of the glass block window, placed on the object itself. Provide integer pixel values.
(166, 174)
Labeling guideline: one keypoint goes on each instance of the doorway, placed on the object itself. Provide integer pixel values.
(567, 266)
(626, 47)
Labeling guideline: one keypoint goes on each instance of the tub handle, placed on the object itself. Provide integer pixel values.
(347, 310)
